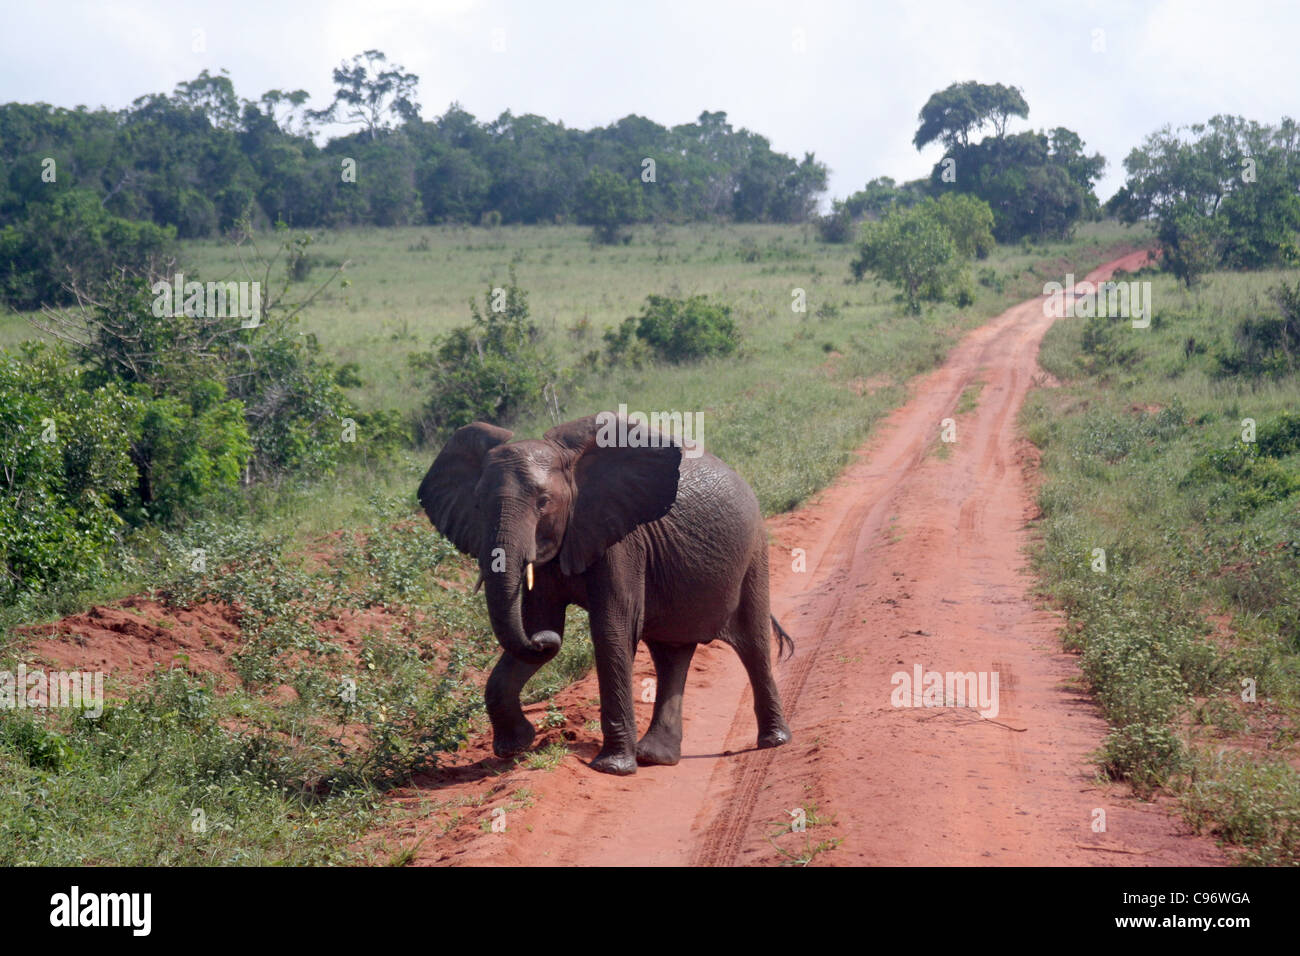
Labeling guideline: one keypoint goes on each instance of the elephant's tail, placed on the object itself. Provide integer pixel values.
(784, 642)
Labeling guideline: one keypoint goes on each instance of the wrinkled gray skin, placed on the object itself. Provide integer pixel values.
(656, 545)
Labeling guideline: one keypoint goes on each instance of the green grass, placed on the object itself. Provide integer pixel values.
(1143, 458)
(819, 379)
(178, 772)
(970, 398)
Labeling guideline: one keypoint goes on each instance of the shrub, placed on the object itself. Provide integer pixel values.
(837, 226)
(290, 399)
(1106, 344)
(64, 462)
(72, 239)
(1190, 244)
(489, 370)
(624, 348)
(1147, 755)
(1266, 344)
(969, 222)
(681, 330)
(189, 451)
(293, 402)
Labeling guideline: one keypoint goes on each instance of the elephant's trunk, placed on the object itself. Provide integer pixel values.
(504, 592)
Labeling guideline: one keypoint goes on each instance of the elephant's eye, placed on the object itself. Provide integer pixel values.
(542, 502)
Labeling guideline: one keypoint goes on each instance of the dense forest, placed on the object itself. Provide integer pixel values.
(195, 162)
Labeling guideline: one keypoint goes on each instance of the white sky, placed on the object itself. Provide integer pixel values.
(851, 96)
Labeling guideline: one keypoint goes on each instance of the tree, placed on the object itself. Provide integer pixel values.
(912, 249)
(367, 93)
(1190, 243)
(212, 96)
(1036, 183)
(953, 114)
(1224, 192)
(288, 111)
(608, 202)
(969, 222)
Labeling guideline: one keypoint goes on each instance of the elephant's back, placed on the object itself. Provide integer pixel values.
(709, 484)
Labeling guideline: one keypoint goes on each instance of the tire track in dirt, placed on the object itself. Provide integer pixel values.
(913, 558)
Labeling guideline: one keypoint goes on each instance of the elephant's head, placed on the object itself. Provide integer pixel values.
(565, 497)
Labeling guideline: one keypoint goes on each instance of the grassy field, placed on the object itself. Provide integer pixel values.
(1169, 535)
(297, 782)
(820, 378)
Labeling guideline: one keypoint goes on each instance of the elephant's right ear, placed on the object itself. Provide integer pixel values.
(447, 492)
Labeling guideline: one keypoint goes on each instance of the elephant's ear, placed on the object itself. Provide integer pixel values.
(615, 488)
(447, 492)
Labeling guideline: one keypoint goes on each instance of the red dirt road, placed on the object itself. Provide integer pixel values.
(913, 557)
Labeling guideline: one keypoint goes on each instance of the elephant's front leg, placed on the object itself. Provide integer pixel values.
(512, 732)
(615, 628)
(617, 715)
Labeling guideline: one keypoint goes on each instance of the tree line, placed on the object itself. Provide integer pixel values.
(197, 161)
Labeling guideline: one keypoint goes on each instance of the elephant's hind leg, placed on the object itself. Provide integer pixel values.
(753, 642)
(662, 743)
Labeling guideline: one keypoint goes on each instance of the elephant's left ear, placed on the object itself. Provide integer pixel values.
(615, 488)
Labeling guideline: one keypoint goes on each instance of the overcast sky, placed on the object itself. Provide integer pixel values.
(843, 80)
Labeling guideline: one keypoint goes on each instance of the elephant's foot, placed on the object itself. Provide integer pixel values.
(662, 749)
(775, 737)
(512, 739)
(616, 762)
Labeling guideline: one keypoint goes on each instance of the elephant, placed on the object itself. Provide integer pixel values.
(656, 545)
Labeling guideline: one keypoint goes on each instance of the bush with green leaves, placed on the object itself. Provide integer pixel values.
(71, 238)
(1190, 243)
(837, 225)
(189, 450)
(674, 330)
(1257, 473)
(1106, 345)
(65, 463)
(1266, 344)
(490, 370)
(969, 221)
(923, 248)
(292, 401)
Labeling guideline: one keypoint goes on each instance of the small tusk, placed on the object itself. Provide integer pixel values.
(529, 572)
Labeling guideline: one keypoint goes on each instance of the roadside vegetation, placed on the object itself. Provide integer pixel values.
(1170, 535)
(1171, 503)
